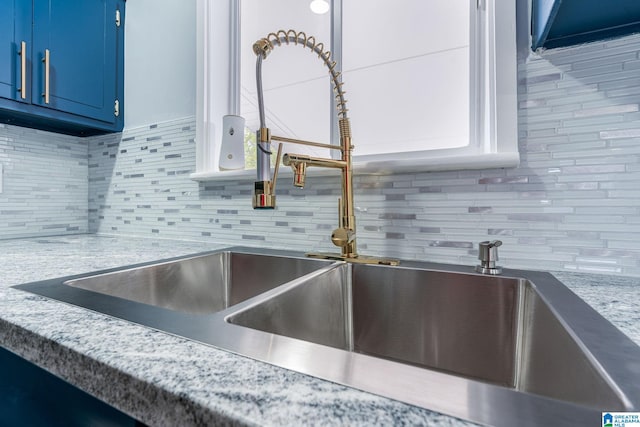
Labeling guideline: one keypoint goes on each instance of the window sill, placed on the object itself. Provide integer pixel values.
(416, 165)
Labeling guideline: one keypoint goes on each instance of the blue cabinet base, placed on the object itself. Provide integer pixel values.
(561, 23)
(31, 396)
(53, 123)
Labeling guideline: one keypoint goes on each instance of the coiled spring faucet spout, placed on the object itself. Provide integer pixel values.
(264, 191)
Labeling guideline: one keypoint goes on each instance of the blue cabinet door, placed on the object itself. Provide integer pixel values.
(81, 40)
(31, 396)
(15, 44)
(85, 67)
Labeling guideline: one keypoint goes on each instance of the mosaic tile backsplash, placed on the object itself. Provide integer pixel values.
(573, 204)
(44, 183)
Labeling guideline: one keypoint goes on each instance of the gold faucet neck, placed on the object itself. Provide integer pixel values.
(263, 47)
(344, 126)
(345, 235)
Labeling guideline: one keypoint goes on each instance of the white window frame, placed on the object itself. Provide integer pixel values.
(496, 129)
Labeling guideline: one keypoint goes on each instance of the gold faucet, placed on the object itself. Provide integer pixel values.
(264, 191)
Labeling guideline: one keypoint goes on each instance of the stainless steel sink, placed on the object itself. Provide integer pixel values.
(487, 328)
(462, 324)
(199, 284)
(517, 349)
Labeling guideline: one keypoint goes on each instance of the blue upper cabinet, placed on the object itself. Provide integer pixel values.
(74, 65)
(559, 23)
(15, 42)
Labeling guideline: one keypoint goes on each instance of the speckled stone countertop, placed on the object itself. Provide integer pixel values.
(162, 379)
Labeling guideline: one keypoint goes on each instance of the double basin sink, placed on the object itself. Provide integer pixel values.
(516, 349)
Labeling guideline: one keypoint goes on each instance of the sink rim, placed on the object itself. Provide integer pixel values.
(460, 397)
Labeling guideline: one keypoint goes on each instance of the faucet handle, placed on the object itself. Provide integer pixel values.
(342, 236)
(488, 255)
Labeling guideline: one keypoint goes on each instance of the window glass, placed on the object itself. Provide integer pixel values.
(406, 72)
(297, 94)
(430, 85)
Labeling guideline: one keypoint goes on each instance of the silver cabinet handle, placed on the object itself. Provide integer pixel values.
(47, 62)
(23, 70)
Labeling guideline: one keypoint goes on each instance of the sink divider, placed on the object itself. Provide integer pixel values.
(520, 337)
(227, 278)
(347, 280)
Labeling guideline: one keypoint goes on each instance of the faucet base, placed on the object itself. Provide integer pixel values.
(358, 259)
(488, 270)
